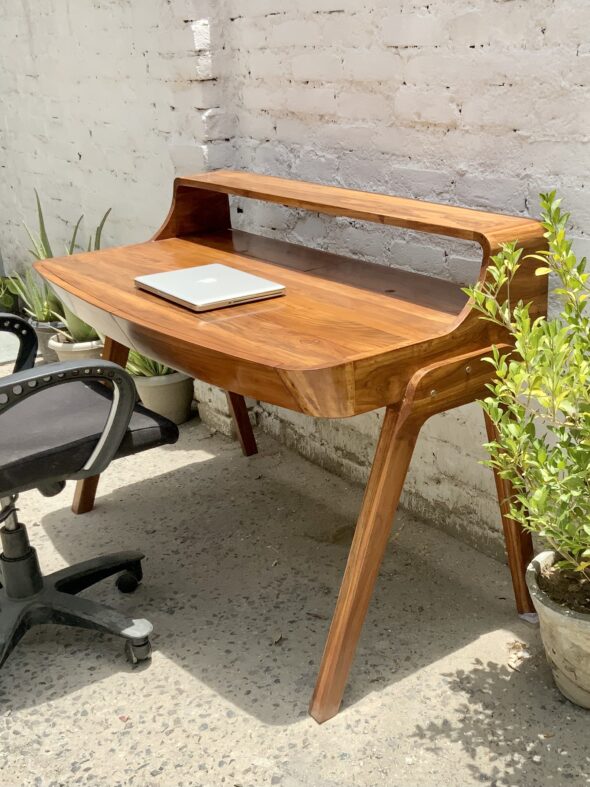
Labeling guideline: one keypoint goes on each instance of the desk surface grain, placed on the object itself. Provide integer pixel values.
(345, 338)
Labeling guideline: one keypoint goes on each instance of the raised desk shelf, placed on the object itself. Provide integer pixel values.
(345, 338)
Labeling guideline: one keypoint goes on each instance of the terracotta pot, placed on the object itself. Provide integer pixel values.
(565, 635)
(169, 395)
(75, 351)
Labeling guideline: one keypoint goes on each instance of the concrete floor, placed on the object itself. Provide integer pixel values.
(8, 348)
(244, 559)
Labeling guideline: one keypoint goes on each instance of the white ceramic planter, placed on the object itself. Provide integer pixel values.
(75, 351)
(565, 635)
(169, 395)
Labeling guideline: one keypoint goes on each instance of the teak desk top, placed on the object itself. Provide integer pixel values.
(344, 339)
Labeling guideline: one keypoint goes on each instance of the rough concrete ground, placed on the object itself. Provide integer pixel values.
(8, 345)
(244, 559)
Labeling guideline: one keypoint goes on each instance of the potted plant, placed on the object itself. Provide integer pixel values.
(8, 300)
(160, 388)
(61, 334)
(76, 340)
(540, 405)
(41, 305)
(42, 248)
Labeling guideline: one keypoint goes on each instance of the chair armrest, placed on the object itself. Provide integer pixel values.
(22, 385)
(25, 333)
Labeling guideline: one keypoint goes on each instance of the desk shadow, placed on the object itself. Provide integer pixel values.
(509, 738)
(244, 561)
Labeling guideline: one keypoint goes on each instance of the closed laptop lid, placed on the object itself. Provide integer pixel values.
(206, 285)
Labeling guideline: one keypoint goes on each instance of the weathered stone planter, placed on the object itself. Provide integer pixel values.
(75, 351)
(169, 395)
(565, 635)
(45, 331)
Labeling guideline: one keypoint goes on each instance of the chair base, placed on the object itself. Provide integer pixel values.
(27, 598)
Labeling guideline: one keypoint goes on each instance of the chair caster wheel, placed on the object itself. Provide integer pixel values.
(138, 651)
(127, 582)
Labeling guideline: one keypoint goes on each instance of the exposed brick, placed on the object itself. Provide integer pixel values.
(425, 106)
(413, 30)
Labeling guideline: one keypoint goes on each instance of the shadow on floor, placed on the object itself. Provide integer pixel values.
(244, 561)
(509, 738)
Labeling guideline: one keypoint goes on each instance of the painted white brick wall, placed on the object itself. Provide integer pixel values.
(103, 102)
(482, 104)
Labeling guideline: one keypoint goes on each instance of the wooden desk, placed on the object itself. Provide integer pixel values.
(348, 337)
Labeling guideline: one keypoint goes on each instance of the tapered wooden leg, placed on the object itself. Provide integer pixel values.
(392, 458)
(86, 488)
(241, 419)
(519, 542)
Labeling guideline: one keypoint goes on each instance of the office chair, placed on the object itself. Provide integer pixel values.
(62, 421)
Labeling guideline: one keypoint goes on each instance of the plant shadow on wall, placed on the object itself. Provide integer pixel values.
(509, 740)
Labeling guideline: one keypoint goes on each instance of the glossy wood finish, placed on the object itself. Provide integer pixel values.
(382, 208)
(434, 389)
(243, 428)
(345, 340)
(348, 337)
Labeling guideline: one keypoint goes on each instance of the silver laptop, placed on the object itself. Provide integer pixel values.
(209, 286)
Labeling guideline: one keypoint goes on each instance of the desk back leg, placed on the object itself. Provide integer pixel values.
(392, 459)
(242, 425)
(519, 542)
(86, 488)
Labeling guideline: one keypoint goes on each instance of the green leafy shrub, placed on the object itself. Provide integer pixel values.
(8, 299)
(540, 398)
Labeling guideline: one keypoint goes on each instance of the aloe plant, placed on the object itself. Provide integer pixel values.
(74, 330)
(39, 300)
(41, 246)
(37, 296)
(142, 366)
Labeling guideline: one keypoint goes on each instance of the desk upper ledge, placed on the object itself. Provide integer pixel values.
(488, 229)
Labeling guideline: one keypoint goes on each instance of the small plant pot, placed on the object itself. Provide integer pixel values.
(169, 395)
(75, 351)
(45, 331)
(565, 635)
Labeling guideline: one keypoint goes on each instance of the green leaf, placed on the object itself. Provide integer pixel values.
(72, 246)
(42, 231)
(98, 233)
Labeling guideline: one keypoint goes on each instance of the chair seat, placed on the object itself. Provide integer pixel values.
(54, 433)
